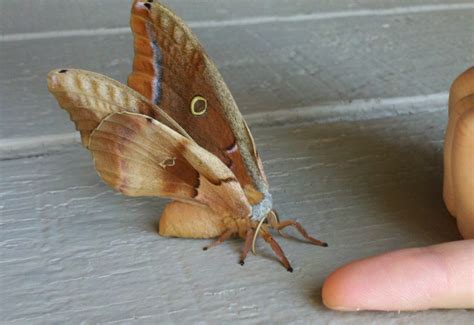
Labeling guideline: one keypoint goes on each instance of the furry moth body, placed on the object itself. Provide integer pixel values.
(175, 131)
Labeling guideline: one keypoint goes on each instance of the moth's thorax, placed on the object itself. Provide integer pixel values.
(261, 209)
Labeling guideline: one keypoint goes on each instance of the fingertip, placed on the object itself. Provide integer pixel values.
(439, 276)
(346, 288)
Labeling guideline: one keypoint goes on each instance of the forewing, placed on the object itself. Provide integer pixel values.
(89, 97)
(140, 156)
(171, 68)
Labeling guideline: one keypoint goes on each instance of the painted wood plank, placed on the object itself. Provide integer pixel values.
(30, 16)
(267, 67)
(72, 250)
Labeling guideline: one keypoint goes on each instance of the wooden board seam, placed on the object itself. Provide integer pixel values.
(246, 21)
(356, 110)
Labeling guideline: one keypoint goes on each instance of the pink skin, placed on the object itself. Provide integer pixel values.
(439, 276)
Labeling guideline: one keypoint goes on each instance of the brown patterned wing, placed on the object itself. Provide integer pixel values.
(139, 156)
(89, 97)
(171, 68)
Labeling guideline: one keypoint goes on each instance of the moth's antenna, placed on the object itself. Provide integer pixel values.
(275, 214)
(257, 230)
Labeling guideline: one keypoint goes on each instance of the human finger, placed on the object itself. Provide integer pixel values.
(439, 276)
(462, 164)
(462, 86)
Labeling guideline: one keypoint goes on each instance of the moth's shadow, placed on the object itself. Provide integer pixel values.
(400, 171)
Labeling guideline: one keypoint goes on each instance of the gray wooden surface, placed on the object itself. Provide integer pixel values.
(347, 103)
(267, 66)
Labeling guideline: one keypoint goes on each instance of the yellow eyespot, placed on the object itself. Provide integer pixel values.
(198, 105)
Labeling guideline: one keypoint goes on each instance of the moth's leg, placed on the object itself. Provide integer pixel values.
(187, 220)
(223, 237)
(247, 245)
(275, 222)
(283, 224)
(277, 249)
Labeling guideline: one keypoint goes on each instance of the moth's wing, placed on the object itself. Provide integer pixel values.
(89, 97)
(139, 156)
(180, 219)
(171, 68)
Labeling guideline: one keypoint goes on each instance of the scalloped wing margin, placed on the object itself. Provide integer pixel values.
(89, 97)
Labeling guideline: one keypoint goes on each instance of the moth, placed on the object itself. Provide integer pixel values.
(175, 131)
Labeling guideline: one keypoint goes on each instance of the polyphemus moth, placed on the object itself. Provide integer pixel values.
(174, 132)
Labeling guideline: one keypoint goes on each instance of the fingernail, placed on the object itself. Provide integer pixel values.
(345, 308)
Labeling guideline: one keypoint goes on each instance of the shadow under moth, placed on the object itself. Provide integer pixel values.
(175, 131)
